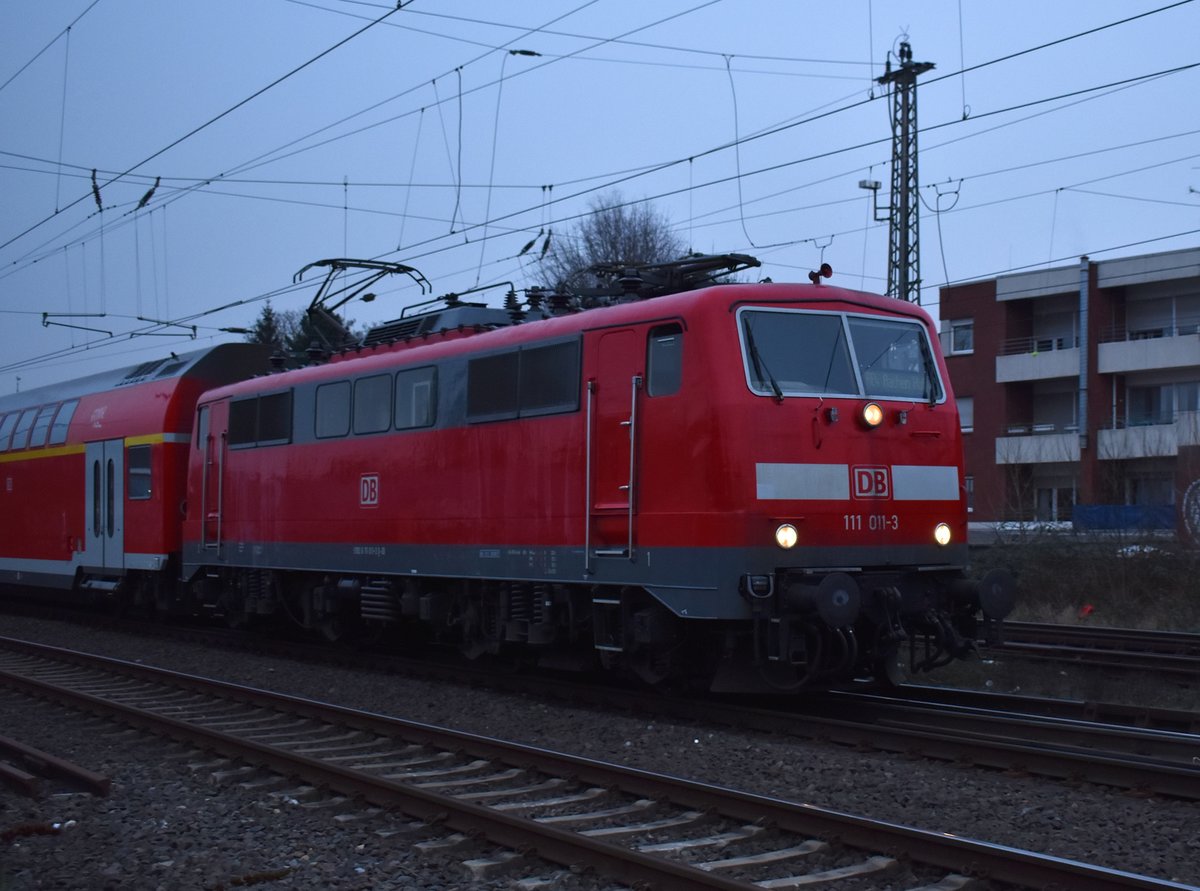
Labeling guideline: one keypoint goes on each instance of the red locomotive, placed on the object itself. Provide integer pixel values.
(753, 484)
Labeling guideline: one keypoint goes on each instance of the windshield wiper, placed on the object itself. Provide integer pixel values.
(760, 367)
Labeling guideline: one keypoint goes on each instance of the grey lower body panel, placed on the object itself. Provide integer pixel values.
(693, 582)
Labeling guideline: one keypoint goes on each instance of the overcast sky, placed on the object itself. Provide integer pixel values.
(282, 137)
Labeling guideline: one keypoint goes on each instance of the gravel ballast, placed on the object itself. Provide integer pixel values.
(167, 825)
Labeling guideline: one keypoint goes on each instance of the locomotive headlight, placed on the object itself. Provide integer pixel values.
(872, 414)
(941, 534)
(786, 536)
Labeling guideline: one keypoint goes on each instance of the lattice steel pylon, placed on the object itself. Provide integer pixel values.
(904, 257)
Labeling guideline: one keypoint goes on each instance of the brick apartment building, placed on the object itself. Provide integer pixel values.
(1079, 392)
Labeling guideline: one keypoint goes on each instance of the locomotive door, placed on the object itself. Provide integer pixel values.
(105, 504)
(613, 398)
(212, 435)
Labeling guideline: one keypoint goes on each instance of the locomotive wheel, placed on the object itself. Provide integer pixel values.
(652, 667)
(333, 628)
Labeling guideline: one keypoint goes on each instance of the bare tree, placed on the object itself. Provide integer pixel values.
(615, 231)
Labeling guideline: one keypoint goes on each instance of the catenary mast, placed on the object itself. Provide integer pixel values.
(904, 259)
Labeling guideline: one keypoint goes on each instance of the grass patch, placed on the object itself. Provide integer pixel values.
(1077, 580)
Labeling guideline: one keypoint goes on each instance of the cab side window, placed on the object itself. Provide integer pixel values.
(664, 360)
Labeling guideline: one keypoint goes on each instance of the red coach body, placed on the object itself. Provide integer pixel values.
(93, 484)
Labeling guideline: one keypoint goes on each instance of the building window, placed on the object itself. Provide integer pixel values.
(966, 413)
(1148, 406)
(969, 487)
(1150, 488)
(962, 336)
(1055, 503)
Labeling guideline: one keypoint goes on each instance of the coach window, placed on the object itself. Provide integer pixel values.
(6, 428)
(138, 484)
(21, 433)
(373, 404)
(62, 422)
(549, 379)
(41, 426)
(416, 398)
(492, 387)
(333, 409)
(664, 360)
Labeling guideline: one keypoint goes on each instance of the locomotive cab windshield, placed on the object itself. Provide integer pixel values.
(790, 352)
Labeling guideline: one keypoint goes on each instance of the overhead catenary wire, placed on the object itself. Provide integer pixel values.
(486, 222)
(64, 32)
(1125, 83)
(213, 120)
(652, 168)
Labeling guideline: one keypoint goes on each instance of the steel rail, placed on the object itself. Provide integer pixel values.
(1125, 648)
(997, 862)
(46, 764)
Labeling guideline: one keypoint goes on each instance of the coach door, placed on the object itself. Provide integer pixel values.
(613, 399)
(105, 546)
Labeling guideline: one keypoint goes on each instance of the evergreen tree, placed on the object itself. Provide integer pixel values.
(270, 328)
(292, 332)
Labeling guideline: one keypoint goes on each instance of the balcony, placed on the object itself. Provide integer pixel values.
(1154, 437)
(1037, 359)
(1147, 349)
(1038, 444)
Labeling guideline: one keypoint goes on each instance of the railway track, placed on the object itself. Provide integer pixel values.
(969, 727)
(1137, 748)
(26, 769)
(627, 824)
(1174, 652)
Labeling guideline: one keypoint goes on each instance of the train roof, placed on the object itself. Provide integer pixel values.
(218, 364)
(456, 334)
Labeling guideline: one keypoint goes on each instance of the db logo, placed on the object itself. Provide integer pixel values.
(368, 490)
(870, 482)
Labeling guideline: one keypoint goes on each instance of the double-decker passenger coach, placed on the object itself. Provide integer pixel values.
(92, 475)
